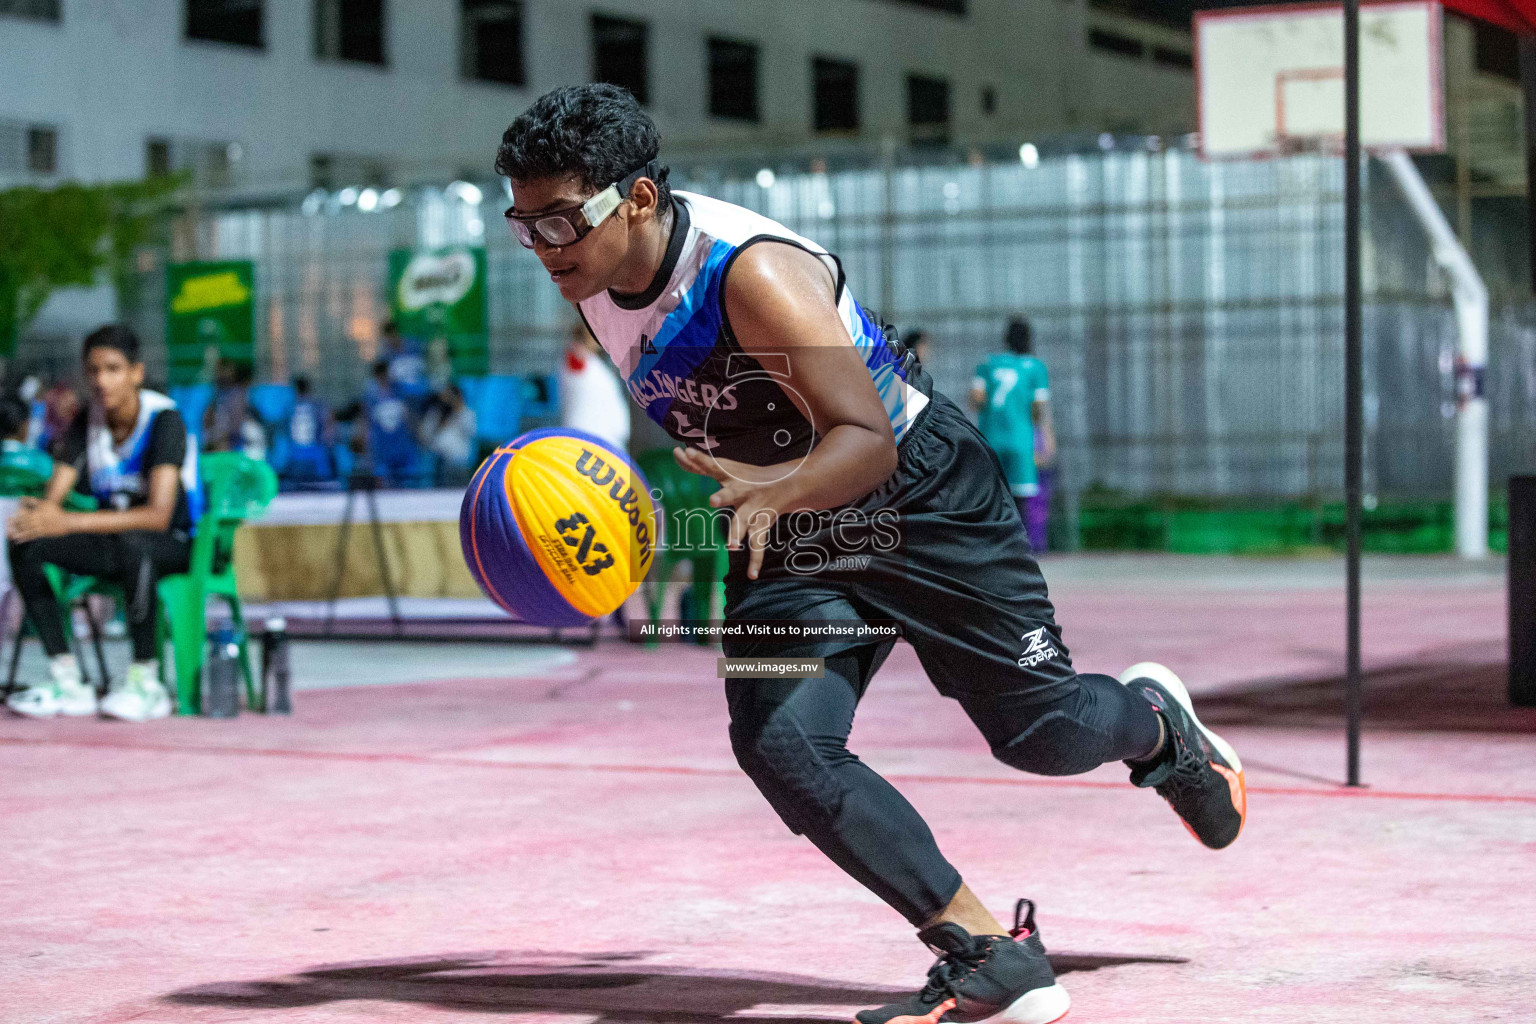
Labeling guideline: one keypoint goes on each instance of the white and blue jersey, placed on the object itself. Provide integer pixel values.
(117, 473)
(679, 360)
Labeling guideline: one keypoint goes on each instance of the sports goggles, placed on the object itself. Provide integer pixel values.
(572, 224)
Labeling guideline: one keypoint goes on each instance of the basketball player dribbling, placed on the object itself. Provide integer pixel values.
(740, 338)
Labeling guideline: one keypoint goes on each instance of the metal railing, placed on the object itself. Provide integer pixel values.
(1190, 313)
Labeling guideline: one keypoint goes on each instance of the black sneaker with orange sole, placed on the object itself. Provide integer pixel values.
(1198, 772)
(982, 977)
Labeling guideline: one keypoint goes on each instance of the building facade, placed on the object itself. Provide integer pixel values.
(266, 100)
(278, 95)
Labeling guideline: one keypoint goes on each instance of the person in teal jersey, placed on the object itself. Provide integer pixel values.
(16, 456)
(1011, 396)
(25, 470)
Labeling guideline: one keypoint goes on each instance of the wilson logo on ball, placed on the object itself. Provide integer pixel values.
(604, 475)
(558, 527)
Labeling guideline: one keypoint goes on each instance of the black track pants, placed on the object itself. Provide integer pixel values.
(790, 736)
(136, 560)
(950, 562)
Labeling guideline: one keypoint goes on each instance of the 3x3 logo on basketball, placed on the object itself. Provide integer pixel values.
(579, 533)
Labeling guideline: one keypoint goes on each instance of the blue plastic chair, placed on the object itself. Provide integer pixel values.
(273, 403)
(344, 460)
(472, 387)
(499, 409)
(546, 385)
(192, 400)
(423, 470)
(278, 448)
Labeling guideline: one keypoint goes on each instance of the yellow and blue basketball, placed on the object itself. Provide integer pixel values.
(558, 527)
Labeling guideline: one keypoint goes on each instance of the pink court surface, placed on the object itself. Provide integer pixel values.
(545, 836)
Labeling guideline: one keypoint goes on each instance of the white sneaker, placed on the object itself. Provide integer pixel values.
(140, 697)
(64, 694)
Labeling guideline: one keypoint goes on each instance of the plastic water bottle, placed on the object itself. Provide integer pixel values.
(222, 698)
(275, 673)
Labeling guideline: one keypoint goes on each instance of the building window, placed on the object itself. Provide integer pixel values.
(733, 80)
(28, 149)
(38, 10)
(1173, 58)
(1157, 12)
(226, 21)
(350, 30)
(1111, 42)
(42, 149)
(339, 170)
(322, 172)
(491, 41)
(157, 158)
(928, 110)
(947, 6)
(834, 95)
(215, 165)
(618, 54)
(210, 164)
(1496, 50)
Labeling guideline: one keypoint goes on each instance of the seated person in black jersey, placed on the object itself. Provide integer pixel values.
(128, 447)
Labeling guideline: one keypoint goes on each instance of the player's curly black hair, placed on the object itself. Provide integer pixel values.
(597, 131)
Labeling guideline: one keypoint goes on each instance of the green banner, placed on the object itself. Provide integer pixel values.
(210, 313)
(440, 293)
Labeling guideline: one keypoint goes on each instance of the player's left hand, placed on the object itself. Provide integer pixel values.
(751, 490)
(35, 519)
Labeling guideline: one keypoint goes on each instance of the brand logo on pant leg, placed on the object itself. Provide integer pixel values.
(1037, 648)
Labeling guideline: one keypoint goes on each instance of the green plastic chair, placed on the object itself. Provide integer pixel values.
(683, 493)
(236, 487)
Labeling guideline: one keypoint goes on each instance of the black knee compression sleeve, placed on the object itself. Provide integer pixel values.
(790, 739)
(1100, 721)
(777, 755)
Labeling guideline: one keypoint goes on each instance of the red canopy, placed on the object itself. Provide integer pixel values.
(1515, 15)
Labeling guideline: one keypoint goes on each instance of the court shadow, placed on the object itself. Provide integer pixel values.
(1453, 690)
(619, 988)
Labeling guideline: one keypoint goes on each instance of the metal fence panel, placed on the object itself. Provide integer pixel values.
(1190, 313)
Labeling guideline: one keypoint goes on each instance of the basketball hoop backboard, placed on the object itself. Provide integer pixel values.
(1270, 80)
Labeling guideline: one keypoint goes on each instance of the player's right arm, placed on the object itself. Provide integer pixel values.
(781, 301)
